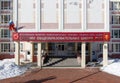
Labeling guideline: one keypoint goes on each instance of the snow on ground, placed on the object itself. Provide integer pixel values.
(8, 69)
(113, 67)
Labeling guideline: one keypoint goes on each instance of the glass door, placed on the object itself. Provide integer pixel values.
(60, 49)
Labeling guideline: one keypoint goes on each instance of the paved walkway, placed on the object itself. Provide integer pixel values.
(66, 62)
(87, 75)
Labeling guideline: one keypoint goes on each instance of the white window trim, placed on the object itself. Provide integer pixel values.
(8, 36)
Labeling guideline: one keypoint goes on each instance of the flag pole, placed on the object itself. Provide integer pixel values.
(17, 43)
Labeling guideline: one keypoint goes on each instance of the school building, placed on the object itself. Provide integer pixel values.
(62, 27)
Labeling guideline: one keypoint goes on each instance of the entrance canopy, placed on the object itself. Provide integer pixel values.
(61, 36)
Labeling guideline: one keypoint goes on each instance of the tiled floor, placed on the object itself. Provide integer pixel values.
(87, 75)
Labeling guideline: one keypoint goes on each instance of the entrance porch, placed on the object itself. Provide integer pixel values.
(62, 55)
(61, 44)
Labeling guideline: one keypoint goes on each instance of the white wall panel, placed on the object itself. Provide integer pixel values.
(95, 11)
(50, 11)
(26, 11)
(73, 11)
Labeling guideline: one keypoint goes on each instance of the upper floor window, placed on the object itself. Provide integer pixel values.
(5, 5)
(21, 47)
(5, 18)
(115, 19)
(116, 47)
(115, 5)
(5, 33)
(116, 33)
(101, 47)
(5, 47)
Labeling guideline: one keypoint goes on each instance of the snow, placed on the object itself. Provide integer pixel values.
(113, 67)
(8, 69)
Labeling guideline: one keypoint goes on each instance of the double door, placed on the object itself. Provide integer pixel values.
(60, 49)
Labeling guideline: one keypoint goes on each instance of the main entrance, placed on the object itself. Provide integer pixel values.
(65, 54)
(60, 49)
(53, 43)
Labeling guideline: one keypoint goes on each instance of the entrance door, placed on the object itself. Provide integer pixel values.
(60, 49)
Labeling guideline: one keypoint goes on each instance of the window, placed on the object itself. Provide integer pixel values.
(50, 46)
(101, 47)
(5, 47)
(112, 48)
(115, 19)
(5, 5)
(5, 33)
(115, 5)
(21, 47)
(116, 47)
(5, 18)
(116, 33)
(79, 47)
(119, 48)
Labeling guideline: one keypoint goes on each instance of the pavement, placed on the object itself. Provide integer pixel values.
(63, 75)
(63, 70)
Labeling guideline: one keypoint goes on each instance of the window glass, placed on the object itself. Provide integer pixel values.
(21, 47)
(5, 47)
(5, 33)
(5, 4)
(116, 5)
(116, 47)
(5, 18)
(112, 47)
(119, 47)
(115, 19)
(101, 47)
(115, 33)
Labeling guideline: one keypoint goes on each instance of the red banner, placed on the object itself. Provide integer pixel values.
(61, 36)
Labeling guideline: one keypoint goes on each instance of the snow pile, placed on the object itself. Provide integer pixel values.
(8, 69)
(113, 67)
(110, 60)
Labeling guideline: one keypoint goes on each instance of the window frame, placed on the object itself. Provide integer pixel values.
(5, 33)
(117, 34)
(115, 19)
(5, 5)
(5, 18)
(115, 5)
(116, 47)
(5, 47)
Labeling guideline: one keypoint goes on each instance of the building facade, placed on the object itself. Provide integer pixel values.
(6, 13)
(71, 17)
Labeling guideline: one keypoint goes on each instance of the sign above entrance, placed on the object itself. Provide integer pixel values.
(61, 36)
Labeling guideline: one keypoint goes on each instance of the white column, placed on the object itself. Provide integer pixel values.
(31, 52)
(17, 53)
(107, 15)
(83, 56)
(61, 14)
(38, 15)
(84, 15)
(105, 54)
(15, 13)
(39, 61)
(107, 29)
